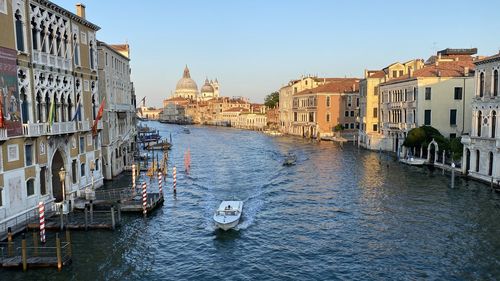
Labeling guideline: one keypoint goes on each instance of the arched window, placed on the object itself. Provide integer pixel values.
(30, 187)
(24, 106)
(328, 117)
(63, 109)
(91, 57)
(43, 41)
(76, 50)
(39, 107)
(479, 122)
(481, 84)
(47, 107)
(493, 123)
(56, 103)
(34, 34)
(19, 31)
(70, 109)
(490, 168)
(327, 101)
(477, 160)
(495, 83)
(58, 43)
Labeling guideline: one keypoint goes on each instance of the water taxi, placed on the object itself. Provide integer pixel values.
(228, 214)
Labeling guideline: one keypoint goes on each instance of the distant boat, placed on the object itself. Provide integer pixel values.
(185, 130)
(290, 159)
(228, 214)
(413, 161)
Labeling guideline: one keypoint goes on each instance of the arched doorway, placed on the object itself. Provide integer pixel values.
(57, 164)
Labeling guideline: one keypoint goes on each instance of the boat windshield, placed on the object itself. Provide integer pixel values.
(226, 213)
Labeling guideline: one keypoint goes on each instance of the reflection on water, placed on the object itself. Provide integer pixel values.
(340, 213)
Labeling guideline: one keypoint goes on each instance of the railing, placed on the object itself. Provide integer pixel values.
(51, 60)
(62, 128)
(34, 129)
(3, 134)
(113, 194)
(83, 125)
(19, 222)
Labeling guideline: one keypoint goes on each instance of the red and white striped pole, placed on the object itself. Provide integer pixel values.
(174, 177)
(160, 185)
(41, 214)
(144, 199)
(133, 179)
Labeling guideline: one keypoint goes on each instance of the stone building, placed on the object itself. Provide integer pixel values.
(49, 96)
(482, 147)
(438, 95)
(119, 131)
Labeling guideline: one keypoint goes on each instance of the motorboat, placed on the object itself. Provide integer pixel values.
(290, 159)
(185, 130)
(228, 214)
(412, 161)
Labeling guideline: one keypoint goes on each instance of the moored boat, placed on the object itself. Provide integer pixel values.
(228, 214)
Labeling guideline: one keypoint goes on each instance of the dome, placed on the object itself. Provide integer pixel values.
(186, 83)
(207, 88)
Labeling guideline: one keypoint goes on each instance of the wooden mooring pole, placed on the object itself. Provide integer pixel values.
(86, 218)
(10, 244)
(35, 243)
(23, 253)
(58, 252)
(68, 239)
(113, 218)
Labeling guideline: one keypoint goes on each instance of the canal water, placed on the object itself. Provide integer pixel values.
(340, 214)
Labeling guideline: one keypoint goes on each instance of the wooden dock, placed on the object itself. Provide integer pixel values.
(154, 200)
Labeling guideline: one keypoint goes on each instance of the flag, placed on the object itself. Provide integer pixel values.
(98, 117)
(52, 110)
(77, 111)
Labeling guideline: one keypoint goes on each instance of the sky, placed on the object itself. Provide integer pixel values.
(254, 47)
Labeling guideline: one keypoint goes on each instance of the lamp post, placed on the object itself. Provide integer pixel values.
(62, 177)
(92, 169)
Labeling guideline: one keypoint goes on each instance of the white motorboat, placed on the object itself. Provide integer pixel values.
(185, 130)
(413, 161)
(228, 214)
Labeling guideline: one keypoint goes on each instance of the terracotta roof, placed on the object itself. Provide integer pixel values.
(122, 49)
(236, 109)
(177, 99)
(488, 59)
(340, 85)
(376, 74)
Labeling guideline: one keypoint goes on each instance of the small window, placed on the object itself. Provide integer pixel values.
(28, 154)
(394, 73)
(453, 136)
(346, 126)
(453, 117)
(82, 170)
(327, 101)
(73, 171)
(43, 181)
(328, 117)
(427, 93)
(82, 144)
(352, 113)
(1, 198)
(30, 187)
(352, 125)
(401, 73)
(375, 112)
(375, 127)
(458, 93)
(346, 114)
(427, 117)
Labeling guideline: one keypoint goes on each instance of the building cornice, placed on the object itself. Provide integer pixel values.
(67, 13)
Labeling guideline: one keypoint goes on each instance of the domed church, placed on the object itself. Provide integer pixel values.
(187, 88)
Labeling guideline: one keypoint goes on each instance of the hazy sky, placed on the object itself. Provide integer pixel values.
(254, 47)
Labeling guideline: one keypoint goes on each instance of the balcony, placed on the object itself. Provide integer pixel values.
(83, 126)
(34, 129)
(62, 128)
(51, 60)
(3, 134)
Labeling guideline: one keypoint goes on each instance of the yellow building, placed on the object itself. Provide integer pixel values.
(369, 132)
(49, 95)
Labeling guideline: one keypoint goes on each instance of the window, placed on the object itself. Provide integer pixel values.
(493, 123)
(481, 84)
(352, 113)
(73, 171)
(3, 9)
(34, 35)
(19, 31)
(458, 93)
(453, 136)
(295, 117)
(82, 170)
(12, 152)
(43, 181)
(30, 187)
(311, 116)
(495, 83)
(401, 73)
(76, 52)
(82, 144)
(375, 112)
(352, 125)
(28, 154)
(346, 114)
(490, 168)
(453, 117)
(375, 127)
(328, 117)
(427, 117)
(479, 124)
(357, 102)
(478, 154)
(427, 93)
(346, 126)
(415, 93)
(394, 73)
(327, 101)
(1, 189)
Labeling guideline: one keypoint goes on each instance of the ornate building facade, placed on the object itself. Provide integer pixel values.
(119, 130)
(49, 93)
(482, 147)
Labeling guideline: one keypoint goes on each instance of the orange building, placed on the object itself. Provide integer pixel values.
(321, 109)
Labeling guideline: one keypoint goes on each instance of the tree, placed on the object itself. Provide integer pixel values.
(272, 100)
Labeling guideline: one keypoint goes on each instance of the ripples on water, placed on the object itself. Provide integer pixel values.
(340, 213)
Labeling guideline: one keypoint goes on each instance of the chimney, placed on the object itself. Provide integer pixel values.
(466, 71)
(80, 10)
(354, 87)
(366, 73)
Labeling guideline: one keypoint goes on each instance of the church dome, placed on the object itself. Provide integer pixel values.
(207, 88)
(186, 83)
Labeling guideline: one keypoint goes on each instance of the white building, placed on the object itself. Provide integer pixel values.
(119, 132)
(482, 147)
